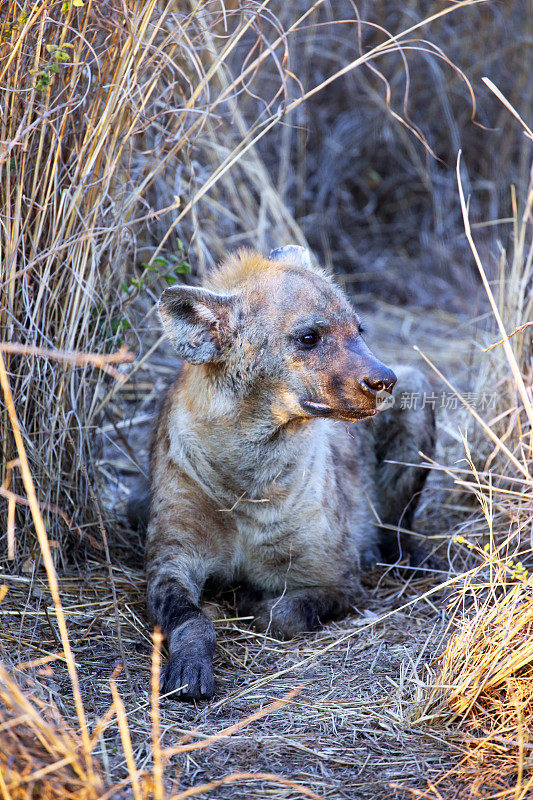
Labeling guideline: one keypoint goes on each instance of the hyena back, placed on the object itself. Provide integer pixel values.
(267, 469)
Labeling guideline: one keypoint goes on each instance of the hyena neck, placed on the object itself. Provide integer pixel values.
(238, 442)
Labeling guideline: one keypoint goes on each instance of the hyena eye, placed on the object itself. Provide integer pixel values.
(308, 338)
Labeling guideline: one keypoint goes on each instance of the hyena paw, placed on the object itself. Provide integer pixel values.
(188, 678)
(285, 617)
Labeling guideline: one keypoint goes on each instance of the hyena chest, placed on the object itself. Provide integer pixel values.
(277, 552)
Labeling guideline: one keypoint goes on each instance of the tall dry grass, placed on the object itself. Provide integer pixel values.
(371, 200)
(98, 100)
(482, 683)
(70, 110)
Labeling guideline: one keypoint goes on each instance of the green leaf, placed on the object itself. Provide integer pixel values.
(162, 262)
(171, 279)
(183, 268)
(119, 324)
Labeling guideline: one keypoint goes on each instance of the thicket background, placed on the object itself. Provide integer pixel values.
(140, 141)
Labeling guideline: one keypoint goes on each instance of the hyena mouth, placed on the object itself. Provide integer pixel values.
(315, 408)
(319, 409)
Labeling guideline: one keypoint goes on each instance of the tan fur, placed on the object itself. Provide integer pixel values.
(250, 484)
(246, 266)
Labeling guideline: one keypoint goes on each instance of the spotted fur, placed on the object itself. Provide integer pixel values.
(263, 472)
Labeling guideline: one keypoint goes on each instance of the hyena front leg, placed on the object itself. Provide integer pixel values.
(300, 610)
(400, 434)
(175, 582)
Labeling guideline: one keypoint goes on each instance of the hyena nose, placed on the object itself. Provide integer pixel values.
(379, 380)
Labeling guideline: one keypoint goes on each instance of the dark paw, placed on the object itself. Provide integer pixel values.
(370, 557)
(188, 678)
(286, 617)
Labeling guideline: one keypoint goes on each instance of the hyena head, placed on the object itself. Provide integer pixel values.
(280, 336)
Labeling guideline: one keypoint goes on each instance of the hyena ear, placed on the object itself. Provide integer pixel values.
(292, 254)
(199, 323)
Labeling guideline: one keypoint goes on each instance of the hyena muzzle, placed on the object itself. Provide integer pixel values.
(271, 469)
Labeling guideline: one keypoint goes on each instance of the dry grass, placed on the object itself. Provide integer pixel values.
(69, 112)
(40, 753)
(97, 101)
(484, 678)
(367, 195)
(164, 136)
(321, 740)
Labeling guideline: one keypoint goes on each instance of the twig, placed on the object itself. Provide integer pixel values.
(49, 565)
(126, 740)
(245, 776)
(38, 662)
(490, 433)
(16, 498)
(186, 748)
(157, 787)
(501, 341)
(122, 356)
(508, 105)
(11, 507)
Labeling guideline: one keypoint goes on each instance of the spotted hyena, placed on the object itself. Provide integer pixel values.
(270, 468)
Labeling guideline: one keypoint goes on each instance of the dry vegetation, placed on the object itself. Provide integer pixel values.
(142, 139)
